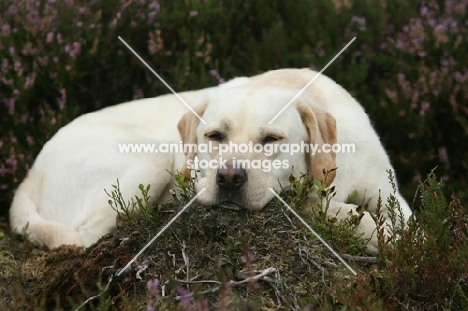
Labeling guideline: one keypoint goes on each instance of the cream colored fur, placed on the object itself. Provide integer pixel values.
(62, 200)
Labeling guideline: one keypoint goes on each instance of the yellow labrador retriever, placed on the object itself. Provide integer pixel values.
(240, 154)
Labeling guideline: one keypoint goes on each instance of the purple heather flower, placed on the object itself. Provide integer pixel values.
(59, 38)
(10, 104)
(12, 10)
(11, 162)
(185, 300)
(248, 257)
(216, 74)
(454, 25)
(400, 44)
(50, 37)
(30, 80)
(424, 10)
(75, 49)
(417, 177)
(361, 21)
(443, 156)
(154, 6)
(7, 81)
(424, 108)
(151, 16)
(5, 64)
(153, 287)
(30, 140)
(6, 30)
(63, 98)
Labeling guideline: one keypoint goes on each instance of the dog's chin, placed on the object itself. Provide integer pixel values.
(237, 204)
(241, 199)
(231, 206)
(232, 201)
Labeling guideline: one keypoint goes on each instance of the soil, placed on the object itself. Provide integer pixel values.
(201, 251)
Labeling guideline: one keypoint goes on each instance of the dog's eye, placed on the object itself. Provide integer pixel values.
(270, 139)
(215, 136)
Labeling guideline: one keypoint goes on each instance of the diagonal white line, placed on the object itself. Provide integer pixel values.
(311, 81)
(159, 77)
(315, 233)
(159, 233)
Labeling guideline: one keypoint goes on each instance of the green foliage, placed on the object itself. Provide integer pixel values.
(340, 233)
(135, 214)
(395, 213)
(352, 197)
(186, 186)
(424, 267)
(298, 191)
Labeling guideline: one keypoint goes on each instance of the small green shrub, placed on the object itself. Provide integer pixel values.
(424, 267)
(341, 234)
(135, 214)
(186, 186)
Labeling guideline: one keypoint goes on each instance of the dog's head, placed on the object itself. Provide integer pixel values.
(255, 155)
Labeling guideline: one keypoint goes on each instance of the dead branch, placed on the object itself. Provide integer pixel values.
(360, 258)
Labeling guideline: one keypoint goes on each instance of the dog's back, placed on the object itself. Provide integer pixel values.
(62, 199)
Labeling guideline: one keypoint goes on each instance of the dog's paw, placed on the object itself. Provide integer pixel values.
(53, 234)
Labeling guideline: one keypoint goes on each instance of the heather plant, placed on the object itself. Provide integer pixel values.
(54, 66)
(423, 267)
(428, 262)
(427, 89)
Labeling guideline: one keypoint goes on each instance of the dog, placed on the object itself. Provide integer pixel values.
(62, 199)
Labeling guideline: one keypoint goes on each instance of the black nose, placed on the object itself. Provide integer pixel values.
(230, 178)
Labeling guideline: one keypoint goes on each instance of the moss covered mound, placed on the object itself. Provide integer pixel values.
(267, 260)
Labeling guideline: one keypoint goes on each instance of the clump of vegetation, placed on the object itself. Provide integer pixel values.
(185, 185)
(341, 234)
(422, 267)
(137, 213)
(132, 208)
(228, 259)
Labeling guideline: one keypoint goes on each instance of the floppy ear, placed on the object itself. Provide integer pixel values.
(187, 127)
(321, 128)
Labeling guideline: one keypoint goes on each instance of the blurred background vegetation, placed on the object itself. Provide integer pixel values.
(407, 66)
